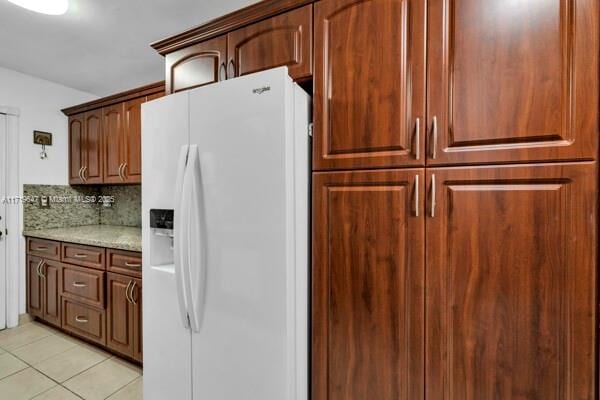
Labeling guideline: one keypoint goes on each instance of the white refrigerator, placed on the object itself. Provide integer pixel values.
(225, 274)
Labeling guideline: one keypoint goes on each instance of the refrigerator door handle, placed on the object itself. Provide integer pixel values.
(179, 243)
(196, 240)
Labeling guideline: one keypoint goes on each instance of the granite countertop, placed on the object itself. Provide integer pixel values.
(110, 236)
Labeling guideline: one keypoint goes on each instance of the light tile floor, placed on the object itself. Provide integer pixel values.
(41, 363)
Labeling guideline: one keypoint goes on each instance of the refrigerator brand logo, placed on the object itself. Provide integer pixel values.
(261, 90)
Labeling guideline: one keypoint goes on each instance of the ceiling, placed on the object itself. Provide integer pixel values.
(100, 46)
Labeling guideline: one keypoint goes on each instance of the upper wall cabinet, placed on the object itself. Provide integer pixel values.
(85, 148)
(282, 40)
(197, 65)
(369, 84)
(512, 81)
(105, 138)
(279, 38)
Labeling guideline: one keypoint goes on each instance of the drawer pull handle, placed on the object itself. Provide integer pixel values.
(135, 265)
(79, 284)
(81, 320)
(80, 255)
(41, 248)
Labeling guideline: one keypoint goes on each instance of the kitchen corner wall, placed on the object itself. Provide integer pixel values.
(71, 206)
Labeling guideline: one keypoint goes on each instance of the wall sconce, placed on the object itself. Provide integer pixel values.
(44, 139)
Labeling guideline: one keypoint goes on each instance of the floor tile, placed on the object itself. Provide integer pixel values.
(43, 349)
(57, 393)
(104, 379)
(24, 385)
(70, 363)
(14, 338)
(10, 364)
(25, 318)
(133, 391)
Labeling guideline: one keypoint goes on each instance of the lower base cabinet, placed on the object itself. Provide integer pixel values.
(43, 289)
(124, 315)
(92, 292)
(455, 283)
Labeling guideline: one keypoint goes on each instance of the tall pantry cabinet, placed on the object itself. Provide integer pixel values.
(473, 275)
(454, 190)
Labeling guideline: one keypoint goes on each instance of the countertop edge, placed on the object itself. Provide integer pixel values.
(84, 241)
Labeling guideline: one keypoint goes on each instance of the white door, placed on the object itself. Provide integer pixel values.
(244, 290)
(3, 216)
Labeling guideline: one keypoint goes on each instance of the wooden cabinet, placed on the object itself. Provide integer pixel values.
(282, 40)
(512, 83)
(113, 117)
(197, 65)
(78, 296)
(52, 287)
(124, 315)
(511, 281)
(85, 148)
(368, 285)
(35, 289)
(105, 138)
(43, 289)
(369, 84)
(132, 140)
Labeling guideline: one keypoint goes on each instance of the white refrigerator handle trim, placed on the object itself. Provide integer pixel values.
(195, 238)
(179, 242)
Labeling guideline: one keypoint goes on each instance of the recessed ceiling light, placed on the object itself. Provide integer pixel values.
(50, 7)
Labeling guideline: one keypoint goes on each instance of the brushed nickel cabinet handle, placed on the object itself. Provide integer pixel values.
(131, 293)
(127, 292)
(124, 171)
(433, 196)
(135, 265)
(83, 173)
(231, 69)
(81, 319)
(417, 138)
(121, 172)
(435, 137)
(42, 269)
(79, 255)
(79, 284)
(80, 171)
(41, 248)
(223, 71)
(416, 195)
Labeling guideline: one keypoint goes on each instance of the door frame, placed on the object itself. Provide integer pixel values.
(12, 278)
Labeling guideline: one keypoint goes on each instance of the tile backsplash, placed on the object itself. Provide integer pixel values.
(72, 206)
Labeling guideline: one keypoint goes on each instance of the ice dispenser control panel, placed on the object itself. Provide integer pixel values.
(161, 226)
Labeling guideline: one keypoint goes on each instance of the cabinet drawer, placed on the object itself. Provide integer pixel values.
(47, 249)
(83, 320)
(87, 256)
(124, 262)
(84, 285)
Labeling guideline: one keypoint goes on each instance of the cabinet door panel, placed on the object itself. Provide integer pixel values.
(112, 125)
(76, 140)
(511, 283)
(513, 81)
(369, 83)
(197, 65)
(136, 295)
(132, 170)
(119, 316)
(51, 280)
(282, 40)
(92, 147)
(368, 285)
(34, 287)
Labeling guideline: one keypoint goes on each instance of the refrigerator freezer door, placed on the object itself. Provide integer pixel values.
(167, 343)
(246, 344)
